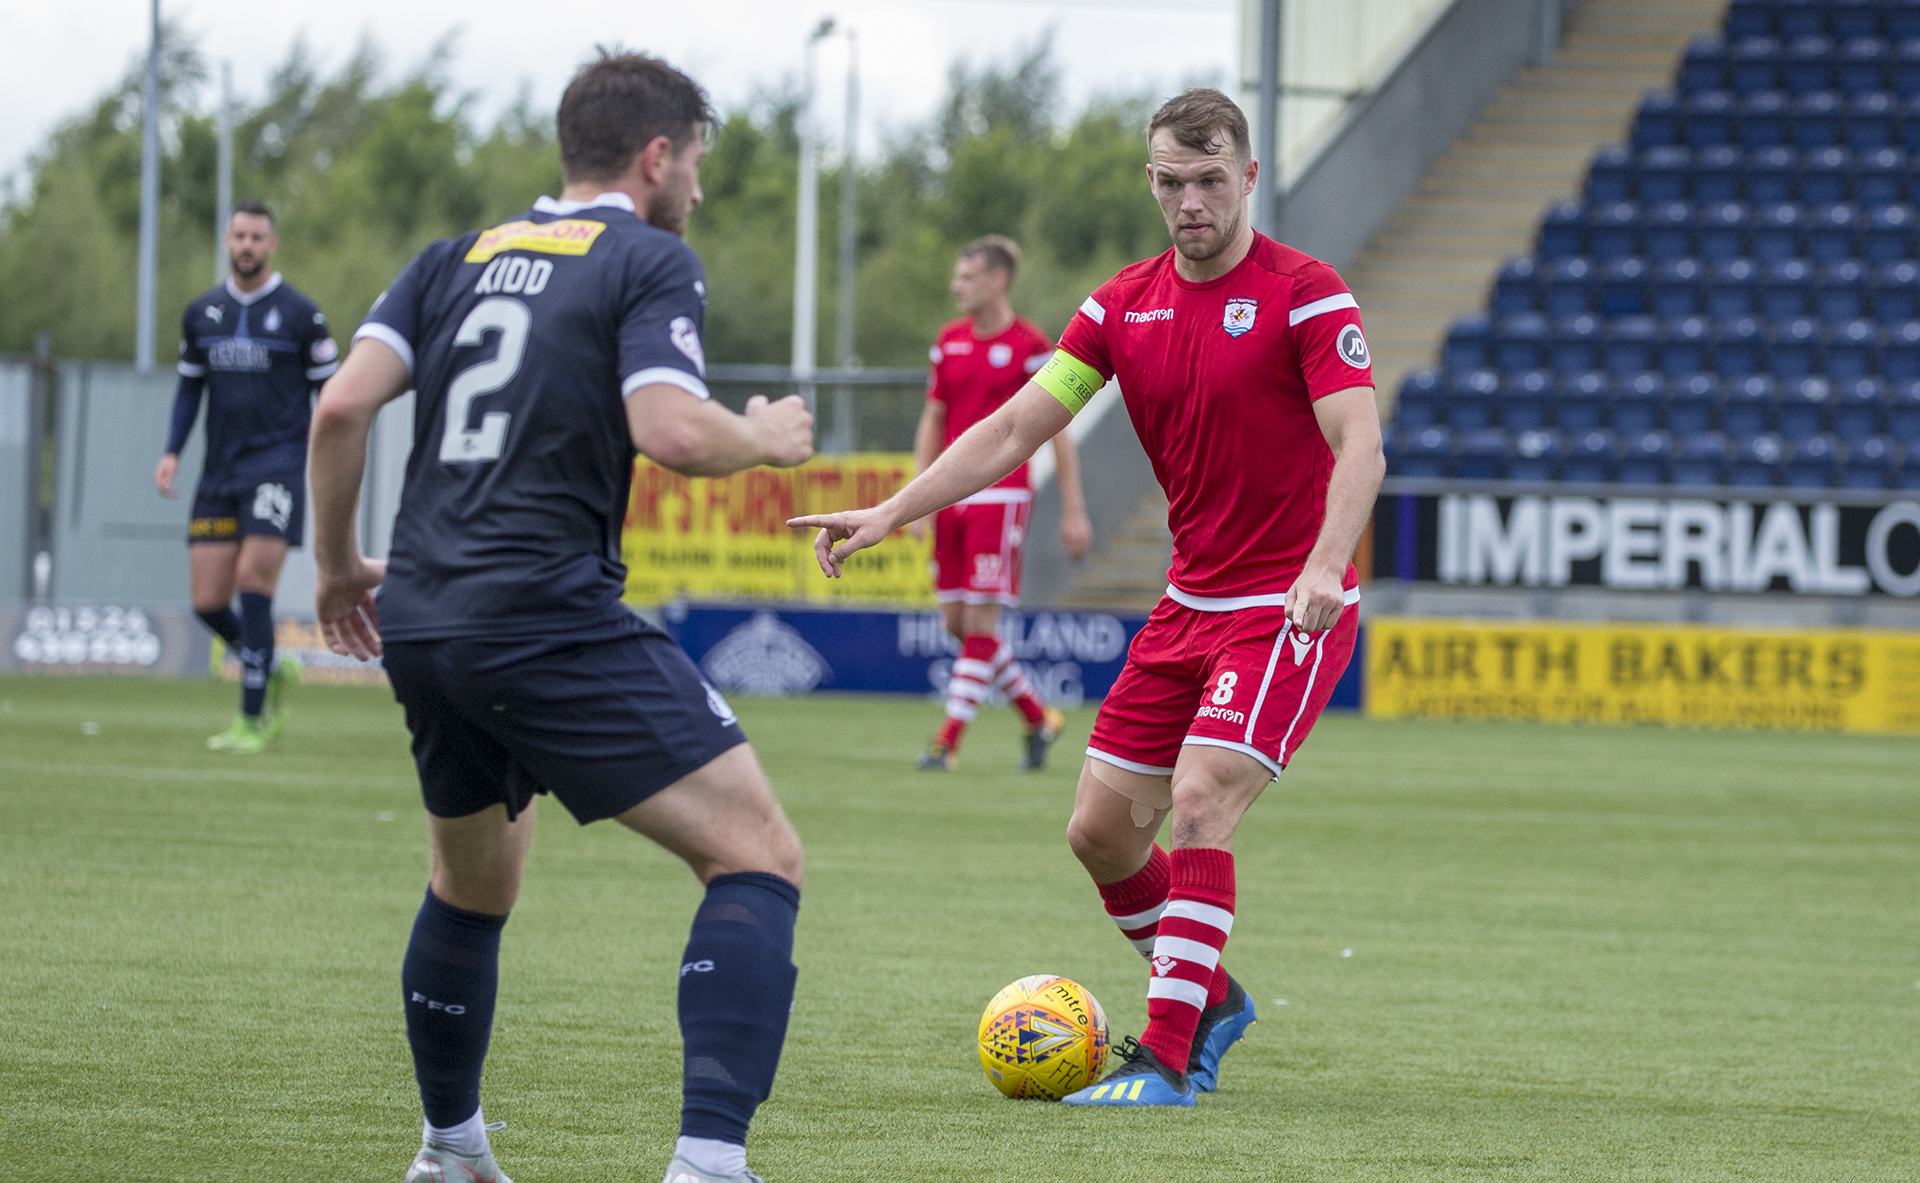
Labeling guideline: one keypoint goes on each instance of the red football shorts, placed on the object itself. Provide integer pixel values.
(976, 548)
(1245, 680)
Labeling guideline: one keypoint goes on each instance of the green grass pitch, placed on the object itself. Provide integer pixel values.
(1575, 954)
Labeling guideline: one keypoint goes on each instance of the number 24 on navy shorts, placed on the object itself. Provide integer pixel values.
(1245, 680)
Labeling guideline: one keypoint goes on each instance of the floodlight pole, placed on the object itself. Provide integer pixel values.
(843, 433)
(806, 252)
(1267, 151)
(223, 182)
(149, 201)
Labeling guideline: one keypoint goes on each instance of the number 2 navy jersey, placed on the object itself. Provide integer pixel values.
(523, 341)
(259, 355)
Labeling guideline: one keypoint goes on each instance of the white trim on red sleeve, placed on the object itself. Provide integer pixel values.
(1094, 312)
(1315, 308)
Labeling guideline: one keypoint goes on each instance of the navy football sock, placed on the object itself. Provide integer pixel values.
(224, 624)
(256, 650)
(736, 992)
(449, 979)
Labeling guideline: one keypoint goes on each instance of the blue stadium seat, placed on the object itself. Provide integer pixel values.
(1870, 464)
(1708, 119)
(1685, 345)
(1813, 462)
(1842, 291)
(1764, 116)
(1802, 18)
(1826, 176)
(1739, 346)
(1858, 409)
(1535, 456)
(1589, 457)
(1903, 413)
(1895, 292)
(1833, 233)
(1853, 349)
(1851, 19)
(1580, 403)
(1419, 402)
(1645, 458)
(1471, 396)
(1611, 176)
(1747, 405)
(1816, 121)
(1793, 348)
(1638, 400)
(1629, 348)
(1906, 125)
(1751, 18)
(1526, 401)
(1613, 230)
(1573, 346)
(1700, 459)
(1563, 232)
(1720, 231)
(1786, 289)
(1657, 121)
(1889, 234)
(1422, 453)
(1804, 404)
(1516, 288)
(1666, 229)
(1677, 287)
(1772, 176)
(1692, 403)
(1480, 455)
(1568, 287)
(1862, 68)
(1757, 461)
(1809, 69)
(1718, 174)
(1519, 342)
(1900, 352)
(1881, 177)
(1704, 65)
(1469, 344)
(1753, 65)
(1732, 288)
(1623, 285)
(1665, 174)
(1776, 233)
(1902, 20)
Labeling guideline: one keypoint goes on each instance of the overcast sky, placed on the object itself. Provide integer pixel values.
(59, 56)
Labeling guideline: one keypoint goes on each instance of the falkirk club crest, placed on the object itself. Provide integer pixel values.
(1239, 317)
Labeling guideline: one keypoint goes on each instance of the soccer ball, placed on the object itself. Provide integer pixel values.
(1043, 1037)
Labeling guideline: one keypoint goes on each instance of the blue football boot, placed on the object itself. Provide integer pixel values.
(1220, 1028)
(1139, 1080)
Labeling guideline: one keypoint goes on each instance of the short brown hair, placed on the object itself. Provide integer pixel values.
(1200, 116)
(617, 105)
(997, 251)
(250, 206)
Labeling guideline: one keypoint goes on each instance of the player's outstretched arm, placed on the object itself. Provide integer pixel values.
(372, 376)
(698, 437)
(1351, 424)
(989, 450)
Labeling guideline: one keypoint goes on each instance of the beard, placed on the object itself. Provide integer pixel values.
(667, 208)
(1223, 236)
(248, 266)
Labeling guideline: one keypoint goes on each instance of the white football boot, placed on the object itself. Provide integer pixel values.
(682, 1171)
(436, 1164)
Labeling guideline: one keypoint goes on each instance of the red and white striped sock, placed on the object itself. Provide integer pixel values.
(1135, 903)
(969, 686)
(1011, 680)
(1186, 951)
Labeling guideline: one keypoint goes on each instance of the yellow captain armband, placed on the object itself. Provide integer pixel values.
(1069, 380)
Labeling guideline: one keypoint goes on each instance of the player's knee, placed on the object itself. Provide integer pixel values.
(1095, 845)
(1196, 793)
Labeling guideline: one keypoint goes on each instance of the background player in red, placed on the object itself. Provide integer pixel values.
(979, 362)
(1247, 377)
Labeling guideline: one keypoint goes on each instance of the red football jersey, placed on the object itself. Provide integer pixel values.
(974, 376)
(1220, 379)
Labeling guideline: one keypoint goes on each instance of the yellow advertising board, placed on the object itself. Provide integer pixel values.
(1668, 674)
(726, 537)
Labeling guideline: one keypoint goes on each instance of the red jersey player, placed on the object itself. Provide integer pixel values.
(1248, 380)
(979, 362)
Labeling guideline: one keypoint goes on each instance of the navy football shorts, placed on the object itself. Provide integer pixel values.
(602, 725)
(227, 510)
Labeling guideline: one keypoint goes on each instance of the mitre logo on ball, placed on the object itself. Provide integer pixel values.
(1239, 317)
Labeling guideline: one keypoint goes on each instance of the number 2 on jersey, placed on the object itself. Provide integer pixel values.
(511, 319)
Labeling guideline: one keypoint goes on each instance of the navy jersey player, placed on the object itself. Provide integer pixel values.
(257, 349)
(547, 351)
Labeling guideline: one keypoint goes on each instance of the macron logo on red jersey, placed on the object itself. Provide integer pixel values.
(1149, 316)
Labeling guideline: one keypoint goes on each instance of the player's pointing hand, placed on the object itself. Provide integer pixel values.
(854, 530)
(786, 429)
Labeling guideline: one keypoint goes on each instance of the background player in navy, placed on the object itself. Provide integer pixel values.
(546, 351)
(257, 348)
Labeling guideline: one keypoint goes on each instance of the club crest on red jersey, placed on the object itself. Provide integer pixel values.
(1239, 317)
